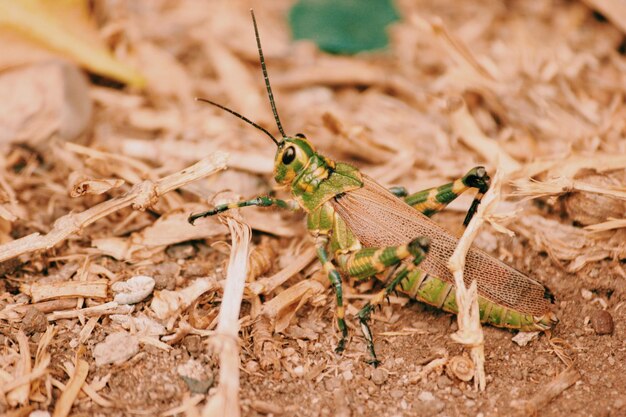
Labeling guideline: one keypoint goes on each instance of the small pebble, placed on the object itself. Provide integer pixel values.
(298, 371)
(332, 384)
(117, 348)
(426, 396)
(34, 321)
(602, 322)
(443, 381)
(471, 394)
(347, 375)
(181, 251)
(379, 376)
(252, 366)
(586, 294)
(193, 343)
(619, 403)
(456, 392)
(523, 338)
(165, 275)
(397, 394)
(198, 386)
(193, 270)
(432, 408)
(593, 379)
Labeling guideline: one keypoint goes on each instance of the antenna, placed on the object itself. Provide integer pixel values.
(267, 80)
(245, 119)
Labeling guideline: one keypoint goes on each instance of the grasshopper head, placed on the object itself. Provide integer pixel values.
(292, 157)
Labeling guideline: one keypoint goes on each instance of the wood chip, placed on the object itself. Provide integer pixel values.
(65, 402)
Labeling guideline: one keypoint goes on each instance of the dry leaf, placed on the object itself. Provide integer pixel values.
(41, 100)
(65, 28)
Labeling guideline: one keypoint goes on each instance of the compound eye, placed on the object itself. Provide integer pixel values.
(300, 135)
(289, 155)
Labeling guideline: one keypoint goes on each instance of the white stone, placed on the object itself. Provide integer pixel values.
(134, 290)
(426, 396)
(117, 348)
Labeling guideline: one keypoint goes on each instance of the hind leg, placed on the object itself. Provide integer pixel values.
(370, 261)
(433, 200)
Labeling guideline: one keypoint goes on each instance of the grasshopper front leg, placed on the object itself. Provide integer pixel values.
(433, 200)
(262, 201)
(321, 242)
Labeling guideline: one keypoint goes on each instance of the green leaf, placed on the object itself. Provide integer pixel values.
(343, 26)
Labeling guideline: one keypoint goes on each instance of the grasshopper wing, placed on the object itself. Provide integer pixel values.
(378, 218)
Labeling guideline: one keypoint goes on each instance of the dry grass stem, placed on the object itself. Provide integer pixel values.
(269, 284)
(79, 185)
(285, 305)
(19, 394)
(48, 306)
(266, 350)
(24, 380)
(166, 304)
(465, 127)
(556, 186)
(65, 402)
(548, 392)
(470, 331)
(225, 402)
(140, 197)
(187, 405)
(569, 166)
(103, 309)
(608, 225)
(90, 289)
(427, 369)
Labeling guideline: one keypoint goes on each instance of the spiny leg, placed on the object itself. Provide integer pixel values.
(263, 201)
(335, 279)
(370, 261)
(367, 262)
(433, 200)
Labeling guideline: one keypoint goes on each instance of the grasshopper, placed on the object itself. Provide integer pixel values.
(369, 229)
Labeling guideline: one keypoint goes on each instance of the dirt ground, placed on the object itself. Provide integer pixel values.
(533, 90)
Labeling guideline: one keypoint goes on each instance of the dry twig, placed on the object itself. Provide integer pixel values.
(470, 332)
(140, 197)
(225, 402)
(548, 392)
(64, 403)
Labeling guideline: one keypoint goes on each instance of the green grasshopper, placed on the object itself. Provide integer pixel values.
(369, 229)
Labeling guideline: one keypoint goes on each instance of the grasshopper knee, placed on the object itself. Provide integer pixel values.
(399, 191)
(419, 246)
(477, 177)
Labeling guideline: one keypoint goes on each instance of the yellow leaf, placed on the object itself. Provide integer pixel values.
(64, 26)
